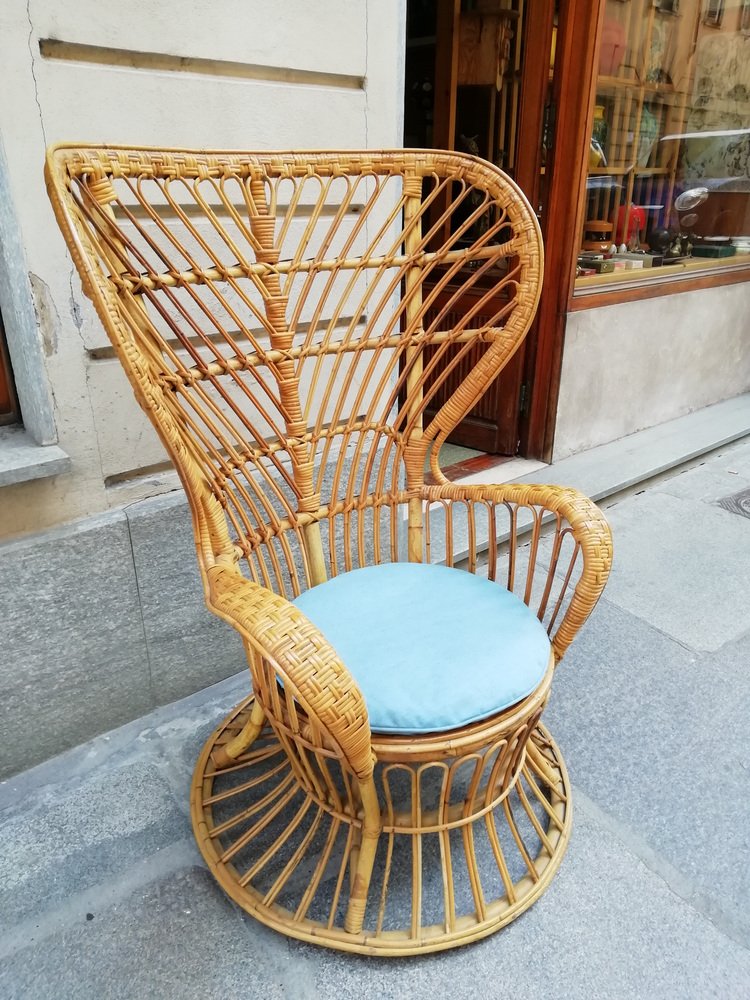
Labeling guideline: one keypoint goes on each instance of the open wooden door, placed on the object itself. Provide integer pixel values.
(477, 80)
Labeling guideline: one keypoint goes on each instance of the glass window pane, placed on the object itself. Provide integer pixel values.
(668, 181)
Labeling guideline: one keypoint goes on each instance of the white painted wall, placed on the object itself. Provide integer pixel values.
(357, 44)
(630, 366)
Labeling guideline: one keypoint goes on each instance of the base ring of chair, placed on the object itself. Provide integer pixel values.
(219, 797)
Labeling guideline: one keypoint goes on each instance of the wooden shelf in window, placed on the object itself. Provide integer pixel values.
(616, 83)
(660, 89)
(630, 169)
(664, 272)
(630, 286)
(616, 294)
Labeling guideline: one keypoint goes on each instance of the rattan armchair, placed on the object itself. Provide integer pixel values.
(295, 327)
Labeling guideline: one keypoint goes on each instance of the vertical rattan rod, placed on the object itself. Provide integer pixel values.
(371, 824)
(413, 457)
(209, 522)
(263, 227)
(226, 755)
(314, 546)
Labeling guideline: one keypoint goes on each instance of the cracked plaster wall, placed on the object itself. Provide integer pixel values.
(54, 100)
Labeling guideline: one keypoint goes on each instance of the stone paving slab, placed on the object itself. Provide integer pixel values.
(67, 839)
(683, 567)
(176, 938)
(712, 481)
(188, 647)
(626, 692)
(650, 708)
(693, 811)
(654, 733)
(90, 815)
(60, 600)
(607, 928)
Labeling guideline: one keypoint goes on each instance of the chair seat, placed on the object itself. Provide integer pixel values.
(431, 648)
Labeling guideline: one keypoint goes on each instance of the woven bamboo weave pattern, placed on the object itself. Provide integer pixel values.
(292, 325)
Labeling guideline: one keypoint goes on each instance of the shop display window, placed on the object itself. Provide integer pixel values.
(668, 179)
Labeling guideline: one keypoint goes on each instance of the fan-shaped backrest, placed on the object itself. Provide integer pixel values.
(295, 324)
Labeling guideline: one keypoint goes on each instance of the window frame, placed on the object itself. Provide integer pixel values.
(9, 413)
(34, 409)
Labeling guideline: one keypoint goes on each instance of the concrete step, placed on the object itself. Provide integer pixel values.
(614, 467)
(619, 466)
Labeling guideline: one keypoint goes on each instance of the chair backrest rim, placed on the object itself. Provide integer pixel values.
(67, 161)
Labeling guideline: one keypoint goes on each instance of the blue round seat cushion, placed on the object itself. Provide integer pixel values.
(431, 648)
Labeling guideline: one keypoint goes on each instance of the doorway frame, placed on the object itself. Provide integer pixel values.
(576, 55)
(576, 59)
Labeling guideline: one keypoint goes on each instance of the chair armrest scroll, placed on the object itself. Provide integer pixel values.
(567, 512)
(302, 658)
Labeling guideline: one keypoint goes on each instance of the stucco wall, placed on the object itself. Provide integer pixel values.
(630, 366)
(290, 75)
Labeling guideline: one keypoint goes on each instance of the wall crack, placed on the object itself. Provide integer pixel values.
(33, 71)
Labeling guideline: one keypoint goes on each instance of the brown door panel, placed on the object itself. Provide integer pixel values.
(492, 424)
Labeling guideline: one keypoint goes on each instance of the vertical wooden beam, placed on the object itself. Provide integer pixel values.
(448, 32)
(576, 62)
(537, 29)
(446, 73)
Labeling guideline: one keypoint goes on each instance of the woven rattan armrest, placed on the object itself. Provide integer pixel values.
(566, 510)
(300, 655)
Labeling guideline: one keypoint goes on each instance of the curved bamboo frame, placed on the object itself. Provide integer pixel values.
(287, 321)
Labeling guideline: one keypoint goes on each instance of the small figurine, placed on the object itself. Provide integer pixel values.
(674, 249)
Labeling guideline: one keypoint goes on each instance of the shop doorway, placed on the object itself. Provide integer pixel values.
(479, 79)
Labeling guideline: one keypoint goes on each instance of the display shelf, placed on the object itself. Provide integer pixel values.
(629, 168)
(617, 83)
(691, 265)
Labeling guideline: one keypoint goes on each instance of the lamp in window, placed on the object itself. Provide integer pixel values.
(685, 205)
(631, 220)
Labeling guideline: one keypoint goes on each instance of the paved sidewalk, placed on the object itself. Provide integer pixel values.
(103, 893)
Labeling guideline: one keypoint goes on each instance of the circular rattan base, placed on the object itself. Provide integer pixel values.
(443, 876)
